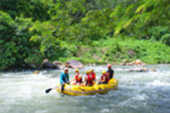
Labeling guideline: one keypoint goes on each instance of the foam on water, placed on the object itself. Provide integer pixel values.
(137, 92)
(159, 83)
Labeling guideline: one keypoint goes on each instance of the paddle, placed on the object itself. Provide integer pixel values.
(49, 89)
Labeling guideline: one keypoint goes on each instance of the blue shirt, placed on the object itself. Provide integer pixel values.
(64, 78)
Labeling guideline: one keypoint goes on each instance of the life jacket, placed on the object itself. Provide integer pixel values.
(94, 76)
(89, 79)
(106, 76)
(78, 78)
(110, 72)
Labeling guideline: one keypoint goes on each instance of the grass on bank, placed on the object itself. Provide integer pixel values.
(115, 50)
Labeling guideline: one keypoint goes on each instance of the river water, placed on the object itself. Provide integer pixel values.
(138, 92)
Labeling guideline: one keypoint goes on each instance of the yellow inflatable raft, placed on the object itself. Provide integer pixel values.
(76, 90)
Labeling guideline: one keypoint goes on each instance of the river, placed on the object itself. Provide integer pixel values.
(138, 92)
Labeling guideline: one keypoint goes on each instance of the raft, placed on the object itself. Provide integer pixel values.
(75, 90)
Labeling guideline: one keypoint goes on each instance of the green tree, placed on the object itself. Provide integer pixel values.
(35, 9)
(15, 47)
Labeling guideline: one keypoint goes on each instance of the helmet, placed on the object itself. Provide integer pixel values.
(91, 70)
(76, 70)
(109, 65)
(87, 72)
(103, 72)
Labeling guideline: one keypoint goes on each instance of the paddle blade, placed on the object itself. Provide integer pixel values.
(48, 90)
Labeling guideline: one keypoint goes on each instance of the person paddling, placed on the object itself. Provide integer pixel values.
(104, 78)
(93, 74)
(64, 78)
(88, 79)
(110, 71)
(78, 77)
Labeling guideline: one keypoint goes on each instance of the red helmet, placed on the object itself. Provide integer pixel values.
(109, 65)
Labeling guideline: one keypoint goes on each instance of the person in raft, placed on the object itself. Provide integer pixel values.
(78, 77)
(64, 78)
(93, 74)
(110, 71)
(104, 78)
(88, 79)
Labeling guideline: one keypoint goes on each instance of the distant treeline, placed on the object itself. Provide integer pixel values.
(92, 31)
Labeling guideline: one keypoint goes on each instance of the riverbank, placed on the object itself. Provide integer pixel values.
(113, 50)
(91, 32)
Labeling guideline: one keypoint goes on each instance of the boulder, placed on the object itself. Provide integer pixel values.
(136, 62)
(58, 65)
(124, 63)
(139, 69)
(74, 64)
(49, 65)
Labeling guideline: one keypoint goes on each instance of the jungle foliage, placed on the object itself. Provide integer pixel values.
(92, 31)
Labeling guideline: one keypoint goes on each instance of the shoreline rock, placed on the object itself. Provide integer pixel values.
(58, 65)
(49, 65)
(137, 62)
(74, 64)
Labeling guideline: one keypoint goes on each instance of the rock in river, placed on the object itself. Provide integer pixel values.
(74, 64)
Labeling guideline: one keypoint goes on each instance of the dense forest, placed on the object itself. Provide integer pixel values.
(91, 31)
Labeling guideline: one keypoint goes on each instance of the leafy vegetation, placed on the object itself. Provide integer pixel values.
(92, 31)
